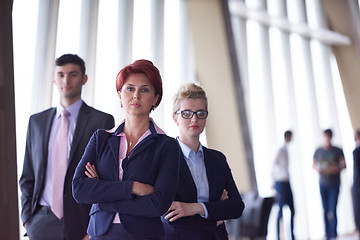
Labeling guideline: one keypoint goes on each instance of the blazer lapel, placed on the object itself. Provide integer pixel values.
(211, 173)
(80, 128)
(186, 176)
(46, 135)
(114, 143)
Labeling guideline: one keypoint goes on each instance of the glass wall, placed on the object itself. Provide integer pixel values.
(291, 81)
(289, 76)
(125, 30)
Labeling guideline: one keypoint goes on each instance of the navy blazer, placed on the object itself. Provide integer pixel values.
(356, 186)
(153, 161)
(219, 178)
(33, 177)
(356, 176)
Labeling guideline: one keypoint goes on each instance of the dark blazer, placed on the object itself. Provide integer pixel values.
(154, 161)
(219, 178)
(356, 186)
(33, 177)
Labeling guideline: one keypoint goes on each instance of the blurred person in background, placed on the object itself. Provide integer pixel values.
(328, 162)
(281, 178)
(356, 178)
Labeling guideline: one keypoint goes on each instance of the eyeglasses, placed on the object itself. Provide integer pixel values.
(188, 114)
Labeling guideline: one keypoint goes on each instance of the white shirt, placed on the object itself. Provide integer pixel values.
(280, 168)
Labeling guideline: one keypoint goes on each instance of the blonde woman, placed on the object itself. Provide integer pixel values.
(207, 193)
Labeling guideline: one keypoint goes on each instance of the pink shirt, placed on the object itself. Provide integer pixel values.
(122, 154)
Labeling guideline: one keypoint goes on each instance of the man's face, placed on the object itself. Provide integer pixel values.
(327, 139)
(69, 80)
(357, 137)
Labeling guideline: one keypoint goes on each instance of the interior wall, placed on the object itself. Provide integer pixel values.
(9, 221)
(214, 72)
(344, 17)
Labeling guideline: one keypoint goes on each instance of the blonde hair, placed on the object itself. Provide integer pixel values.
(189, 90)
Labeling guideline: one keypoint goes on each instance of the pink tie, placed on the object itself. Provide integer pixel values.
(59, 166)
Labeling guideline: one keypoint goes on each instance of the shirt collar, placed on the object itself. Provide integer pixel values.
(119, 129)
(73, 109)
(186, 150)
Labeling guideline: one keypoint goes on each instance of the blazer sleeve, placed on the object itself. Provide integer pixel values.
(230, 208)
(158, 202)
(90, 190)
(27, 179)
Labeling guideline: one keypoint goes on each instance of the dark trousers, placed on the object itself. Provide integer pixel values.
(117, 232)
(44, 225)
(284, 197)
(356, 204)
(329, 196)
(189, 234)
(179, 232)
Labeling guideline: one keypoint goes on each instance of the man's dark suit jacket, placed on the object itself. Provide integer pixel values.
(356, 186)
(219, 178)
(32, 181)
(154, 161)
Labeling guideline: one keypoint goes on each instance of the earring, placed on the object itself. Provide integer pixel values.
(121, 105)
(152, 108)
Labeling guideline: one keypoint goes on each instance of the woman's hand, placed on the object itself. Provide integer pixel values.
(91, 171)
(87, 237)
(180, 209)
(223, 197)
(141, 189)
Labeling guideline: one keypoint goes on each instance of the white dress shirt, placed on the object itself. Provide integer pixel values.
(280, 168)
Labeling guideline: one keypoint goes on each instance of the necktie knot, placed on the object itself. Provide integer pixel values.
(65, 113)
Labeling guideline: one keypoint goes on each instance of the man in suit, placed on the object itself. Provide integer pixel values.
(45, 215)
(356, 184)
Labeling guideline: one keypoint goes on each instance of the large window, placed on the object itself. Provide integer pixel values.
(289, 76)
(291, 81)
(114, 48)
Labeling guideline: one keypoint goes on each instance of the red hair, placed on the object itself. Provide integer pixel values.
(145, 67)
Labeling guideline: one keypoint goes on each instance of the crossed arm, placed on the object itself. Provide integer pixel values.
(331, 169)
(128, 196)
(177, 209)
(138, 188)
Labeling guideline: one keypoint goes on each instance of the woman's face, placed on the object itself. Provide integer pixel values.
(138, 95)
(194, 126)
